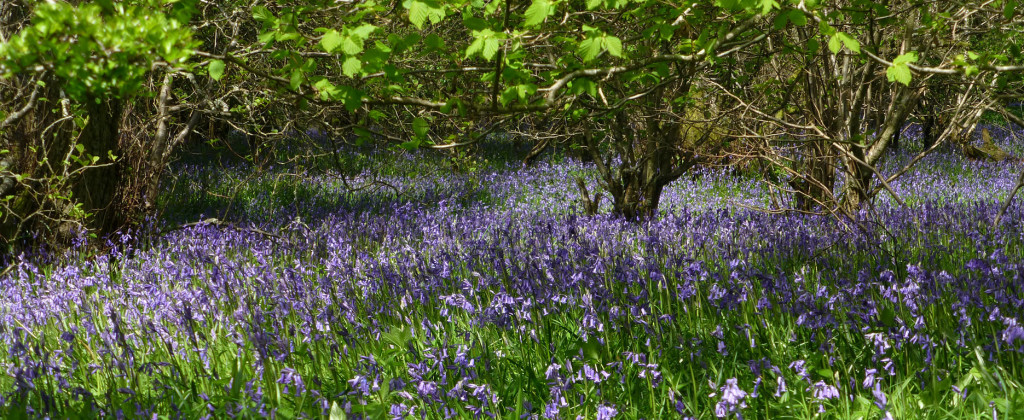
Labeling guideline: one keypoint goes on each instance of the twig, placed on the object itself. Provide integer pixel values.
(1006, 205)
(217, 222)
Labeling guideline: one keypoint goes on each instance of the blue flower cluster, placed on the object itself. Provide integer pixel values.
(491, 296)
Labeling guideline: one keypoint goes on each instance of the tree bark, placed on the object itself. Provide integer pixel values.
(96, 187)
(814, 186)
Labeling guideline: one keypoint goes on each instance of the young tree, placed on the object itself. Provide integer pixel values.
(81, 63)
(859, 70)
(631, 73)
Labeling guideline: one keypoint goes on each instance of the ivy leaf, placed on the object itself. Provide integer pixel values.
(352, 66)
(331, 40)
(216, 69)
(613, 45)
(590, 48)
(537, 12)
(898, 73)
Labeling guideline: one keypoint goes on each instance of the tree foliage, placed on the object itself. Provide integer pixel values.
(645, 89)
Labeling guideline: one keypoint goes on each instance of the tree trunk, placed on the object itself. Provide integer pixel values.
(639, 196)
(38, 144)
(96, 187)
(648, 155)
(858, 181)
(896, 138)
(814, 187)
(928, 131)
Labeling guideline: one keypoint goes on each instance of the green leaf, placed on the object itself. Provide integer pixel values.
(353, 97)
(1009, 9)
(768, 5)
(364, 31)
(781, 20)
(899, 73)
(728, 4)
(434, 42)
(216, 69)
(267, 37)
(262, 14)
(491, 46)
(331, 40)
(850, 42)
(613, 45)
(593, 4)
(661, 69)
(474, 47)
(352, 66)
(813, 46)
(590, 48)
(296, 79)
(537, 12)
(420, 127)
(327, 90)
(474, 23)
(418, 13)
(825, 28)
(351, 46)
(910, 57)
(485, 42)
(584, 85)
(336, 412)
(797, 17)
(834, 44)
(106, 5)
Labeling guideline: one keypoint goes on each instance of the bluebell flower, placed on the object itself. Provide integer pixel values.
(732, 400)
